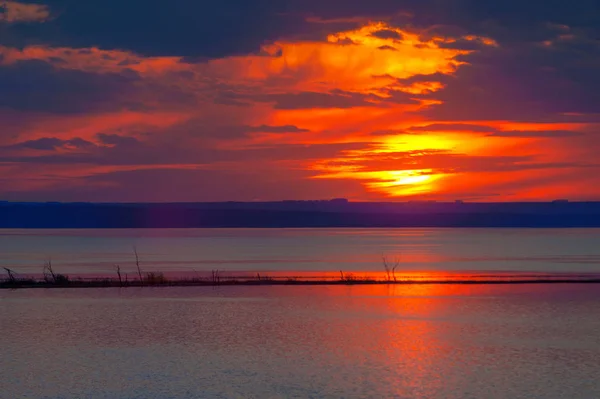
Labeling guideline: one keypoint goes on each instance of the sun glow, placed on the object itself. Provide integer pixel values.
(371, 65)
(348, 86)
(357, 105)
(355, 60)
(404, 182)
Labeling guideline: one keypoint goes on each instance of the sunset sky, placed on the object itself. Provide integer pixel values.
(185, 100)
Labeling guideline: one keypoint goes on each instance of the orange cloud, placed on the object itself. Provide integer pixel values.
(87, 126)
(94, 60)
(12, 12)
(364, 87)
(334, 64)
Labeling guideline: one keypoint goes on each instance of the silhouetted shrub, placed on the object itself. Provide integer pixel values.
(61, 279)
(155, 278)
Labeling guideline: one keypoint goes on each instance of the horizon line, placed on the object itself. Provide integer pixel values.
(339, 201)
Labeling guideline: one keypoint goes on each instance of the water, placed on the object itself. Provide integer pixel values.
(197, 250)
(420, 341)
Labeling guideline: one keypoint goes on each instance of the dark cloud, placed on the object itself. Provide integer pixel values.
(508, 21)
(120, 150)
(51, 144)
(231, 97)
(46, 143)
(528, 82)
(448, 162)
(333, 99)
(387, 132)
(492, 131)
(450, 127)
(258, 182)
(465, 44)
(117, 140)
(387, 34)
(536, 133)
(433, 77)
(317, 100)
(22, 12)
(386, 47)
(40, 87)
(345, 42)
(215, 129)
(215, 29)
(152, 27)
(276, 129)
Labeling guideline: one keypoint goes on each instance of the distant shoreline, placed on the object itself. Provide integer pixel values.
(300, 214)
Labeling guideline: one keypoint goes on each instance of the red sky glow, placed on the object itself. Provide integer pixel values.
(367, 106)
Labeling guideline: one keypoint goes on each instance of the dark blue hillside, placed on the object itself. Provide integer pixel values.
(298, 214)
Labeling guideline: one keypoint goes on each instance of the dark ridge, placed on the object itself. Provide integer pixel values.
(335, 213)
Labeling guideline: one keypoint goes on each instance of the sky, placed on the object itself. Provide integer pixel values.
(259, 100)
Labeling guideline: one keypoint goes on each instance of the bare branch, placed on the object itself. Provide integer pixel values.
(137, 264)
(11, 275)
(48, 271)
(119, 274)
(386, 266)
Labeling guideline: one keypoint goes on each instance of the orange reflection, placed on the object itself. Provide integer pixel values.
(405, 331)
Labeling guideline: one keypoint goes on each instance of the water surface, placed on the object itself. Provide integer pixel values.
(353, 250)
(421, 341)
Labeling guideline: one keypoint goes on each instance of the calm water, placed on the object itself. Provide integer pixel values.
(423, 341)
(197, 250)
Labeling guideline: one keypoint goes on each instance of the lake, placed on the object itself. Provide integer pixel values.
(410, 341)
(291, 251)
(381, 341)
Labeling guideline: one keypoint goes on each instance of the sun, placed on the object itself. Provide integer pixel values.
(410, 180)
(403, 182)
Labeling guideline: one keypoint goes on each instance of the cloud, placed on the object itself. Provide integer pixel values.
(182, 148)
(276, 129)
(387, 132)
(494, 131)
(386, 47)
(431, 77)
(212, 30)
(173, 185)
(454, 127)
(526, 82)
(476, 99)
(207, 29)
(414, 173)
(51, 144)
(13, 12)
(536, 133)
(333, 99)
(38, 86)
(387, 34)
(345, 42)
(117, 140)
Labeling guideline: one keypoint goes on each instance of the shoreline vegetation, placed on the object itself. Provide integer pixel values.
(53, 279)
(216, 278)
(108, 283)
(114, 283)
